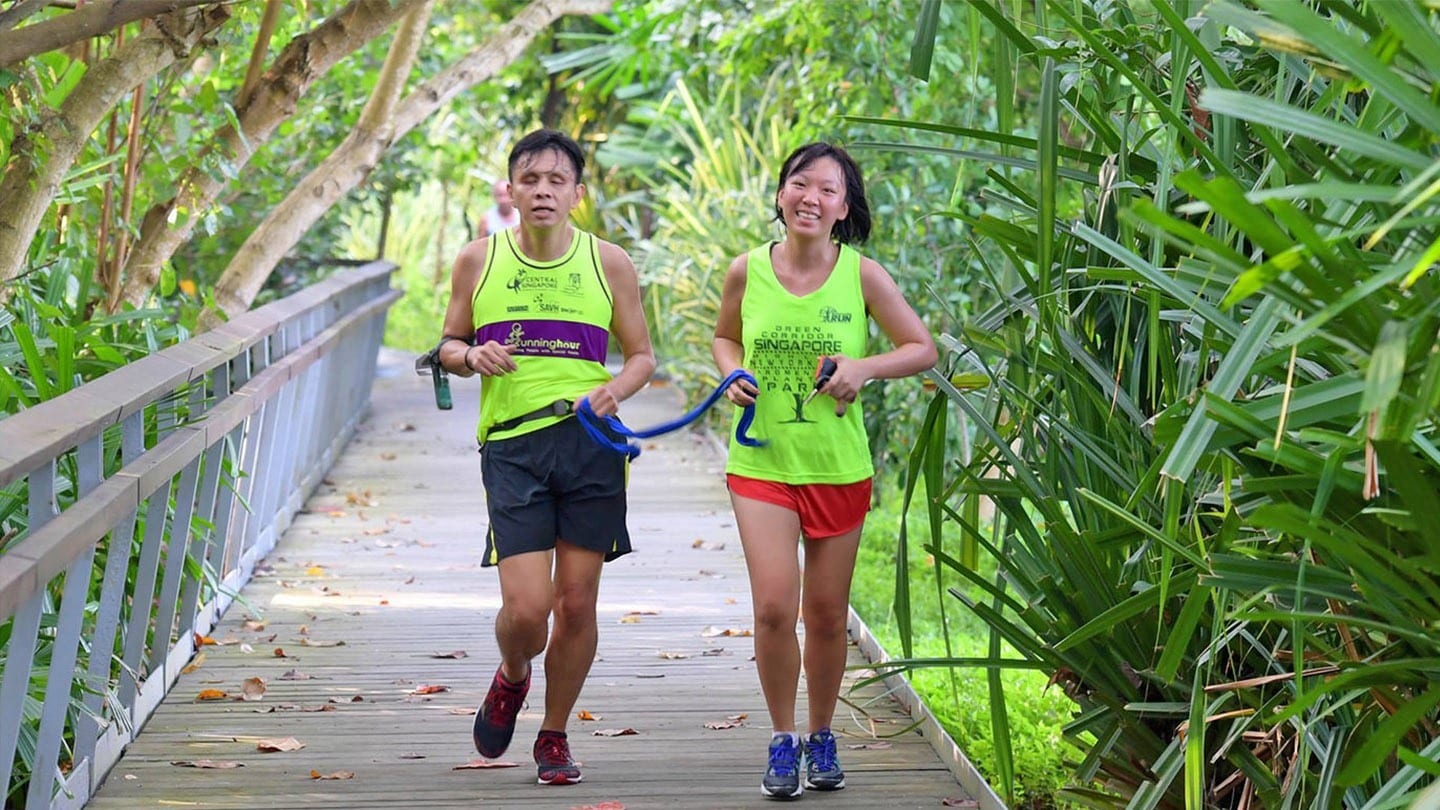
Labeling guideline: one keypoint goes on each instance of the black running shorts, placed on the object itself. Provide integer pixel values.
(554, 483)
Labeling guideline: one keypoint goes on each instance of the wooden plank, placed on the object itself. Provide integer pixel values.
(380, 574)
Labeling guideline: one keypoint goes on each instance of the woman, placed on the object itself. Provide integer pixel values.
(787, 307)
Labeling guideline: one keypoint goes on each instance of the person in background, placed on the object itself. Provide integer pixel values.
(532, 310)
(502, 215)
(787, 307)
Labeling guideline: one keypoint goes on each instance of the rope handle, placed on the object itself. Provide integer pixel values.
(590, 421)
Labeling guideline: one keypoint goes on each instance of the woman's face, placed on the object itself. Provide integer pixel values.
(812, 199)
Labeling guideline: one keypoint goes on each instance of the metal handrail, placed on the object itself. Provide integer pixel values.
(217, 440)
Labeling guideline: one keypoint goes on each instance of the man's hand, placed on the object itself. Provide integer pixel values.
(603, 401)
(490, 359)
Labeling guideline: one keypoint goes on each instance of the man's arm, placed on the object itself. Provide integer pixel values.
(461, 358)
(627, 324)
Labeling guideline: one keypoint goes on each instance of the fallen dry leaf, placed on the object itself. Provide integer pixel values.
(585, 715)
(461, 710)
(386, 457)
(246, 648)
(194, 664)
(672, 656)
(712, 631)
(629, 619)
(201, 641)
(272, 746)
(207, 763)
(253, 625)
(477, 764)
(412, 755)
(351, 699)
(715, 651)
(643, 613)
(877, 745)
(429, 689)
(279, 652)
(615, 732)
(211, 694)
(252, 689)
(601, 806)
(315, 571)
(305, 642)
(336, 775)
(957, 801)
(452, 654)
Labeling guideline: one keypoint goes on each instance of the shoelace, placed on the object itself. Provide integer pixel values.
(784, 757)
(590, 421)
(822, 751)
(554, 751)
(508, 701)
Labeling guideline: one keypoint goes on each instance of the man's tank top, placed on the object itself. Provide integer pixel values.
(556, 314)
(784, 336)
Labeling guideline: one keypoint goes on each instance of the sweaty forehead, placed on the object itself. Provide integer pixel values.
(550, 161)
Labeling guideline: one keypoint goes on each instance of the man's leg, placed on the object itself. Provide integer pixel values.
(520, 627)
(526, 596)
(573, 637)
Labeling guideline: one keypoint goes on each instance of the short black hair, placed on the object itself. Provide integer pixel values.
(544, 140)
(855, 227)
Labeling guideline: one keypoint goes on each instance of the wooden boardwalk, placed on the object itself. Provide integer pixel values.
(370, 628)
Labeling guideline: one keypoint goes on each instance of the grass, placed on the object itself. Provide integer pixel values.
(959, 698)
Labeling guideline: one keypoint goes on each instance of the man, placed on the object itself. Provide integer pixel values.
(531, 311)
(502, 215)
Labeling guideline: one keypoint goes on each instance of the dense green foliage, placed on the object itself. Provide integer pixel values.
(1209, 433)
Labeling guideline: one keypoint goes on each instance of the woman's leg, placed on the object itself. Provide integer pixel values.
(825, 607)
(770, 535)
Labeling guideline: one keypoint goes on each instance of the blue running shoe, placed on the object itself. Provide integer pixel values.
(495, 721)
(782, 777)
(822, 767)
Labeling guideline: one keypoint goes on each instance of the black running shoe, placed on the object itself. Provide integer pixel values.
(553, 764)
(495, 721)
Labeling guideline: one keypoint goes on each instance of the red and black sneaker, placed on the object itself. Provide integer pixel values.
(552, 759)
(495, 721)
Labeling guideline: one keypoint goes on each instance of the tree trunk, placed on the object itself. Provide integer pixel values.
(353, 160)
(304, 59)
(92, 19)
(42, 154)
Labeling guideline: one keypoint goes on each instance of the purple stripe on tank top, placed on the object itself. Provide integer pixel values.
(549, 338)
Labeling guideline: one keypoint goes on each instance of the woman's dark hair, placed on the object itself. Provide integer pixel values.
(544, 140)
(854, 229)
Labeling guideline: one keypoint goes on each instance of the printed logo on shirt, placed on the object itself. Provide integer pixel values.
(833, 315)
(525, 280)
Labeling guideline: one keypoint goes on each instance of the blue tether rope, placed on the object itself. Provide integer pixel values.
(589, 420)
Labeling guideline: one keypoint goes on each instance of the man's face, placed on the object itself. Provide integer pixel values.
(544, 188)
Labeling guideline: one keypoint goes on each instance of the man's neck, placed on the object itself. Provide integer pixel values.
(545, 244)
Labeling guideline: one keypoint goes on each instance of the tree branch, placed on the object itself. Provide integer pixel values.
(34, 174)
(304, 59)
(353, 160)
(91, 19)
(17, 13)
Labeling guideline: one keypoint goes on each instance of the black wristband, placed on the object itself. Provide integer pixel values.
(473, 370)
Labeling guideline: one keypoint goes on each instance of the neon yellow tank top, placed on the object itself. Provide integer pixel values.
(557, 316)
(784, 336)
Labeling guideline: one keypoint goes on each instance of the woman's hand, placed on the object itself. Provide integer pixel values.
(845, 381)
(742, 393)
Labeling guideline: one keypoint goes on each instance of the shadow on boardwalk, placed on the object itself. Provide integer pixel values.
(370, 627)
